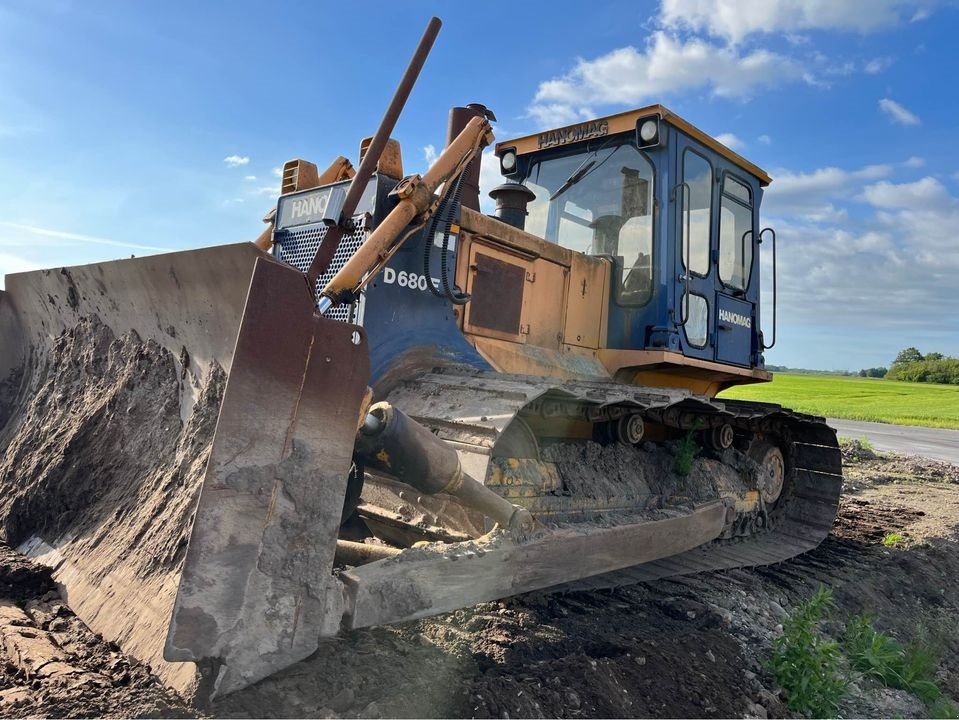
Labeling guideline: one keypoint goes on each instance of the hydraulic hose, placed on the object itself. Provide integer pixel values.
(448, 210)
(430, 234)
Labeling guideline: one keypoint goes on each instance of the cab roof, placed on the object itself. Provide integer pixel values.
(626, 122)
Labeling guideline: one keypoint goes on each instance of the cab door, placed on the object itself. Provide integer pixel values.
(736, 289)
(695, 271)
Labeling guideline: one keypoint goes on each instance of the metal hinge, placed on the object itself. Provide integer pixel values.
(524, 329)
(530, 276)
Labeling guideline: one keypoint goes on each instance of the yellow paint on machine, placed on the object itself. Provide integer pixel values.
(621, 123)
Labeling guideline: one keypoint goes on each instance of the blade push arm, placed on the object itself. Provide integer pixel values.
(418, 201)
(327, 250)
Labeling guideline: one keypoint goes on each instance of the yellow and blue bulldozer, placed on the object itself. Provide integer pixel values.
(418, 407)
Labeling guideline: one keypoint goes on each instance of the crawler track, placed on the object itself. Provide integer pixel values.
(478, 413)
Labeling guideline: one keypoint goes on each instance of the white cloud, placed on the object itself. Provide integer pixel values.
(429, 154)
(735, 20)
(552, 115)
(814, 195)
(914, 162)
(268, 190)
(39, 232)
(277, 172)
(898, 113)
(877, 65)
(764, 140)
(731, 141)
(236, 160)
(667, 66)
(249, 178)
(925, 194)
(889, 270)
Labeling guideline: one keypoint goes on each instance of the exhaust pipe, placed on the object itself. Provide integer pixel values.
(459, 118)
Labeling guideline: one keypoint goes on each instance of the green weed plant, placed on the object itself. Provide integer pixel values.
(911, 668)
(686, 451)
(807, 664)
(893, 539)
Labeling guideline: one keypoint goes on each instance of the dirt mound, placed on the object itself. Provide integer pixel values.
(22, 580)
(575, 655)
(100, 474)
(855, 451)
(56, 667)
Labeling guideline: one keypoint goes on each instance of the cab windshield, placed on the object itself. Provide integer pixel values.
(599, 203)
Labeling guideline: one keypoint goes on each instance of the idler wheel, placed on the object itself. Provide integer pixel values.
(772, 471)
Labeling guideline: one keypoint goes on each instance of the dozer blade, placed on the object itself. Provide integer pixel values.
(257, 589)
(110, 379)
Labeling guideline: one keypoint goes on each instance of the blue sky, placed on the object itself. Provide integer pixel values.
(128, 128)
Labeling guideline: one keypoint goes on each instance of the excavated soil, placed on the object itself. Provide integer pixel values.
(690, 647)
(54, 666)
(102, 436)
(100, 472)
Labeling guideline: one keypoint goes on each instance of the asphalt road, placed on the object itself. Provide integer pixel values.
(929, 442)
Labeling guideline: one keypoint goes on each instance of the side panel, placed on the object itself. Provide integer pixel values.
(497, 286)
(587, 302)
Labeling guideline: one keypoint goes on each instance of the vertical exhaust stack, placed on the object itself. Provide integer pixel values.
(459, 117)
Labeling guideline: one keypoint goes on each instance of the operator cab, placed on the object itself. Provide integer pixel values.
(675, 212)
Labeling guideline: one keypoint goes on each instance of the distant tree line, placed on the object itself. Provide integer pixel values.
(807, 371)
(912, 366)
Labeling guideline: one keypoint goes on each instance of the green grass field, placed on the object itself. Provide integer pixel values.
(902, 403)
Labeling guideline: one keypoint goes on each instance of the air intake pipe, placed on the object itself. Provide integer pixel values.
(511, 201)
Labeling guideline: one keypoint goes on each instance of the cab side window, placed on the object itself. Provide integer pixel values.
(735, 234)
(697, 206)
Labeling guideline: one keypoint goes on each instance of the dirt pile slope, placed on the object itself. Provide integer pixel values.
(99, 477)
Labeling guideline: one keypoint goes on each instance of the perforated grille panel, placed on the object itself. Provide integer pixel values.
(298, 247)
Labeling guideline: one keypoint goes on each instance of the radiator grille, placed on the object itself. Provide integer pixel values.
(298, 247)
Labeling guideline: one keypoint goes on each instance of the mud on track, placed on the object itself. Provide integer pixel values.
(688, 647)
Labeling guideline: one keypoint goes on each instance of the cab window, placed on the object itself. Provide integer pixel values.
(735, 234)
(599, 203)
(697, 206)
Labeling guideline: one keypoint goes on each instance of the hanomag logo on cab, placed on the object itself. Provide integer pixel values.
(575, 133)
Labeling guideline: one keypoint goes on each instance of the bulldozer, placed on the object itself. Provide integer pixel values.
(418, 407)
